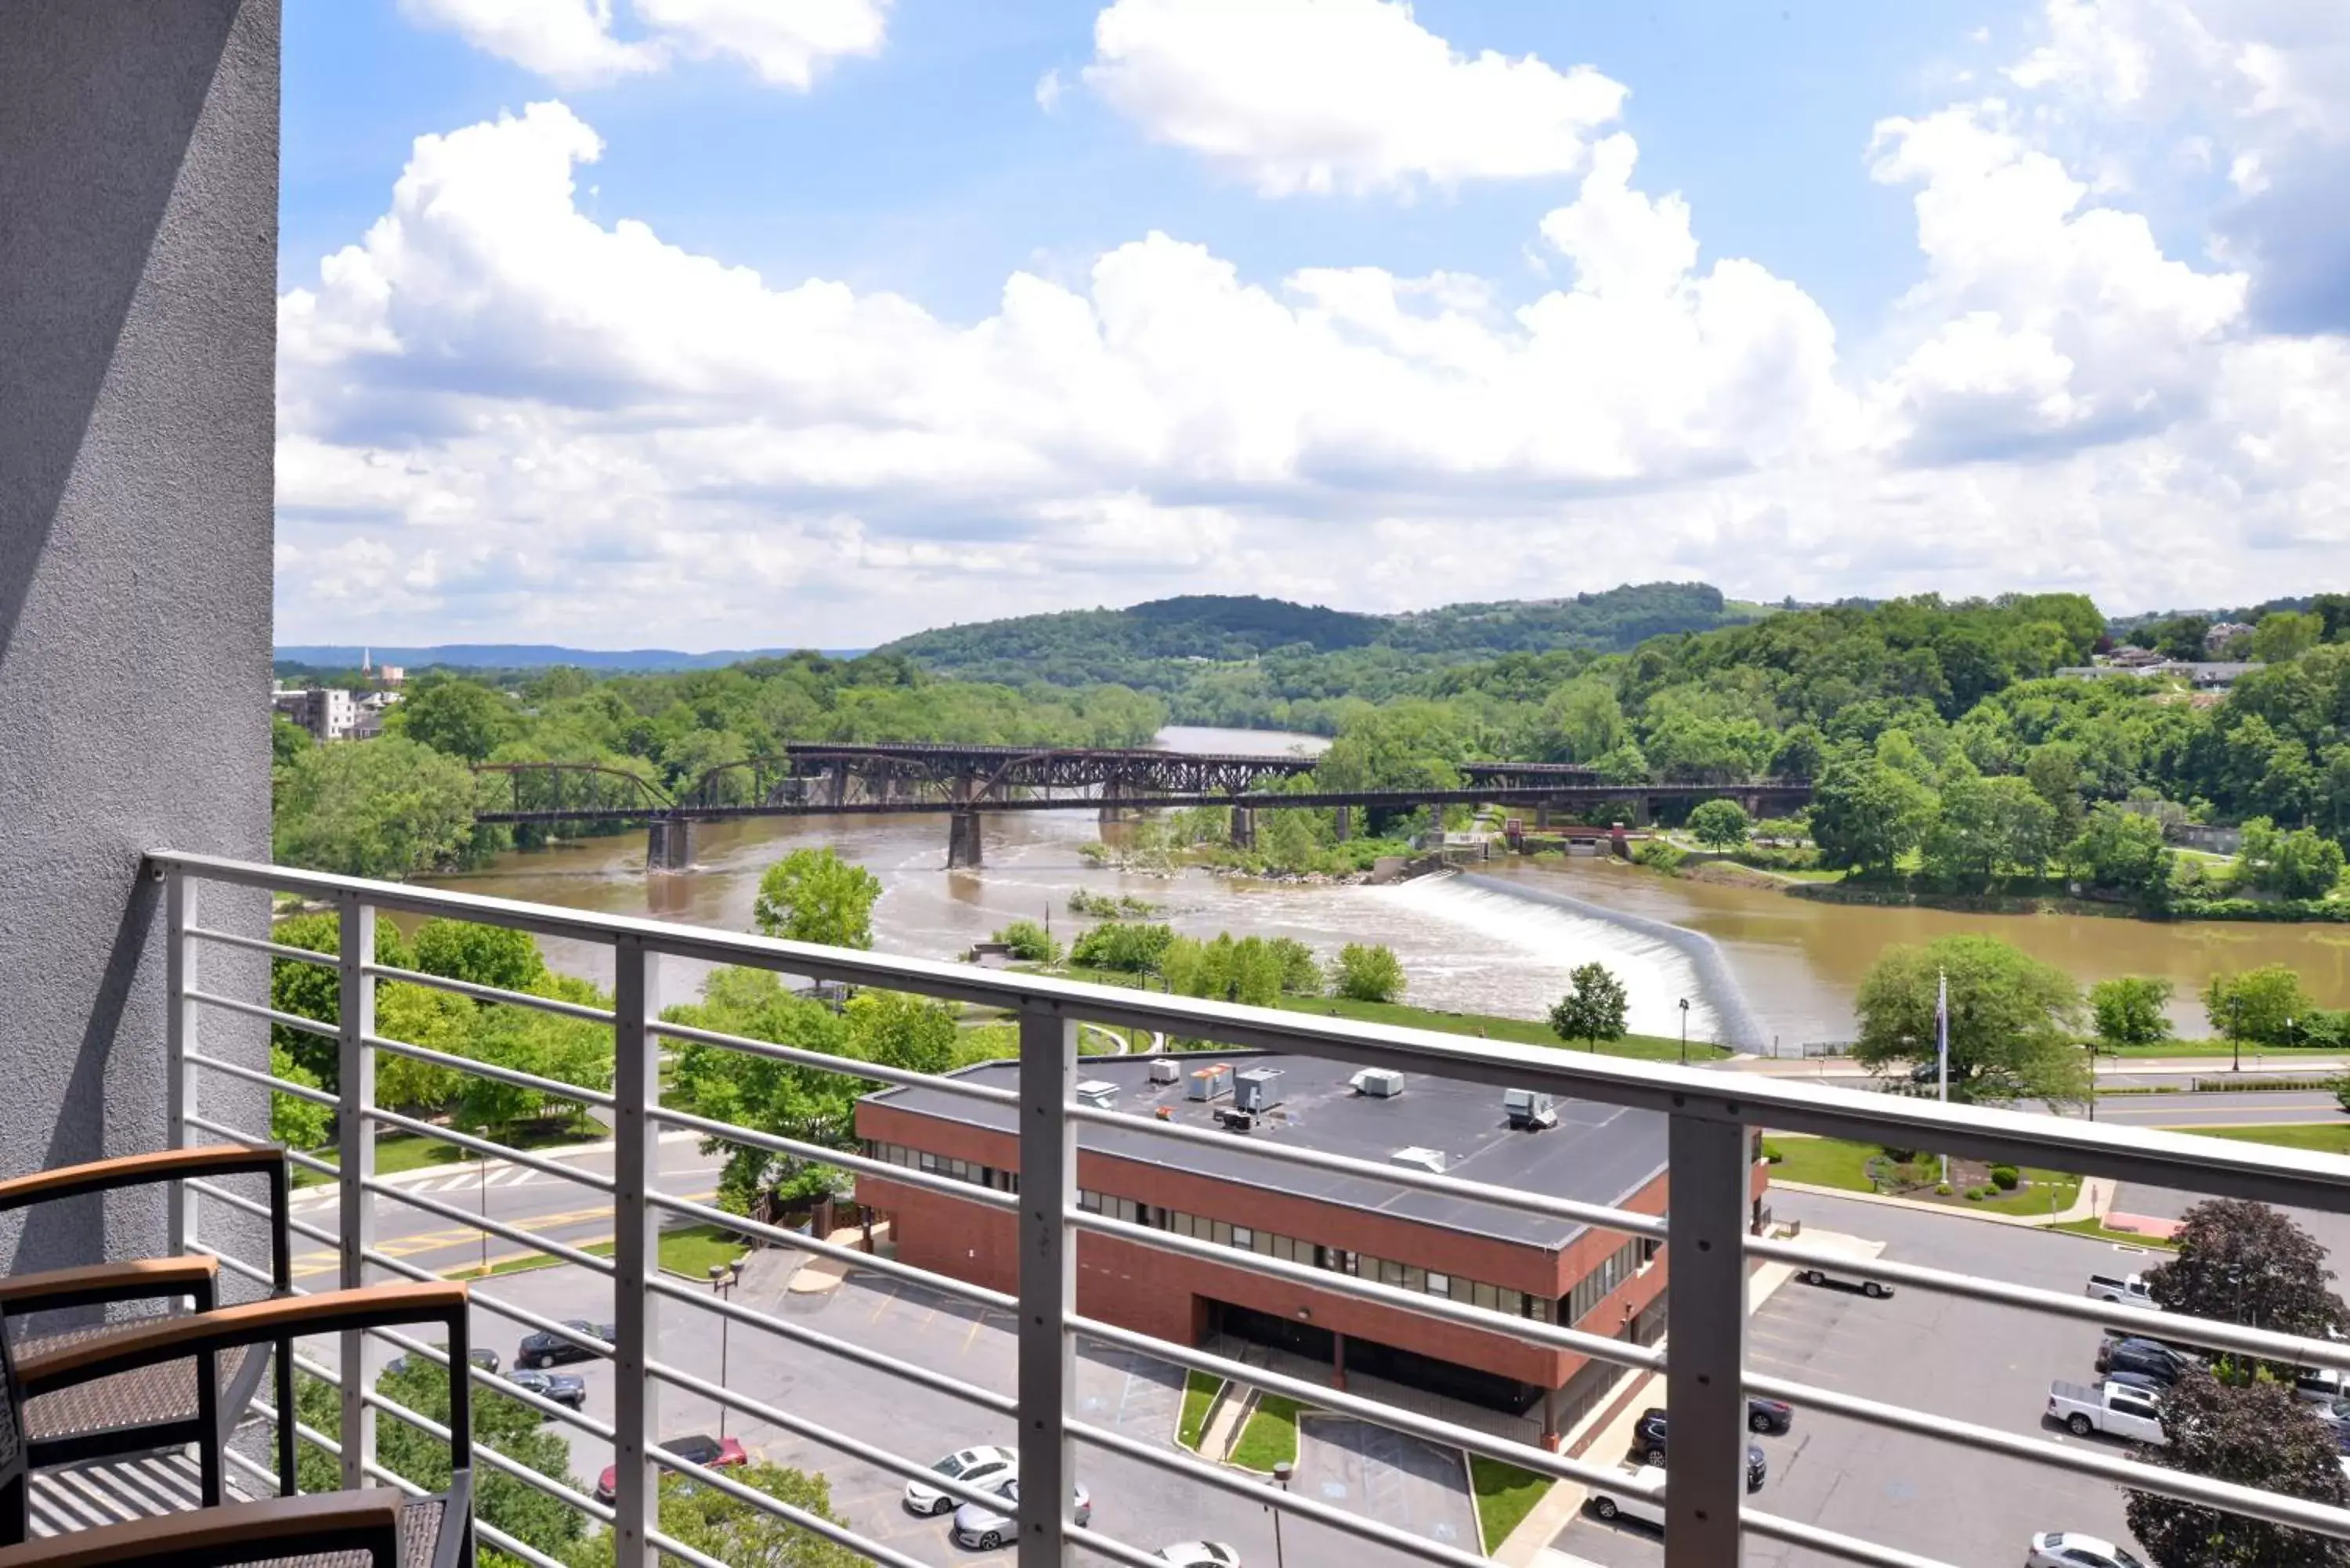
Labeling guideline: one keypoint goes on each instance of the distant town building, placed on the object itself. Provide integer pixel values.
(2134, 658)
(329, 712)
(392, 675)
(2220, 638)
(2204, 675)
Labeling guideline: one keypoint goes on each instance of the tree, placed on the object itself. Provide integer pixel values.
(727, 1529)
(1592, 1009)
(1866, 816)
(2011, 1019)
(1301, 972)
(2300, 864)
(287, 740)
(815, 896)
(2256, 1434)
(480, 955)
(2245, 1263)
(1367, 973)
(1720, 824)
(2284, 636)
(1126, 946)
(2128, 1010)
(2258, 1005)
(314, 991)
(2122, 850)
(456, 717)
(546, 1045)
(1987, 826)
(294, 1121)
(1029, 942)
(385, 808)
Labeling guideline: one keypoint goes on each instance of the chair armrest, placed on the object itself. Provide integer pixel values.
(278, 1527)
(137, 1170)
(53, 1290)
(250, 1322)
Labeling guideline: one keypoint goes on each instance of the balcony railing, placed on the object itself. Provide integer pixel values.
(1711, 1117)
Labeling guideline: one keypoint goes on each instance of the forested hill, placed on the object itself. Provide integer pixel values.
(1159, 645)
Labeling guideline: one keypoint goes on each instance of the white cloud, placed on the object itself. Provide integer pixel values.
(1339, 95)
(572, 42)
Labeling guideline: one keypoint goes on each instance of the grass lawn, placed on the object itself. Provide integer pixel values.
(1270, 1436)
(2325, 1137)
(396, 1152)
(2212, 1048)
(1505, 1495)
(1199, 1394)
(689, 1250)
(1833, 1162)
(2096, 1228)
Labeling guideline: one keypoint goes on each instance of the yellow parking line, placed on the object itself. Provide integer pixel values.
(322, 1261)
(973, 1338)
(883, 1304)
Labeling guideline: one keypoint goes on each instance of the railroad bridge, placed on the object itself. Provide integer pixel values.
(818, 778)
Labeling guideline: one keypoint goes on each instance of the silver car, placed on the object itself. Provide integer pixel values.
(985, 1468)
(989, 1527)
(1201, 1555)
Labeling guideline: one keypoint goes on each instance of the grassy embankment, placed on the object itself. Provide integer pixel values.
(1270, 1435)
(1505, 1495)
(1833, 1162)
(1199, 1396)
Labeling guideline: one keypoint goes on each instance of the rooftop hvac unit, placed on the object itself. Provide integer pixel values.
(1099, 1093)
(1380, 1083)
(1235, 1119)
(1211, 1083)
(1258, 1089)
(1431, 1161)
(1529, 1109)
(1164, 1070)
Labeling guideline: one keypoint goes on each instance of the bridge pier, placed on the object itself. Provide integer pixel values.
(1541, 815)
(668, 844)
(1244, 827)
(962, 841)
(1346, 823)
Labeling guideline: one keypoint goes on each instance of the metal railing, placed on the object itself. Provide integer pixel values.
(1711, 1117)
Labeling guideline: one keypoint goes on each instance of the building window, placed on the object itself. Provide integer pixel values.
(1440, 1284)
(1089, 1202)
(1244, 1237)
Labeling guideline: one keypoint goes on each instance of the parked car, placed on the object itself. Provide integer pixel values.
(990, 1526)
(982, 1467)
(2129, 1290)
(2144, 1381)
(1769, 1415)
(702, 1449)
(562, 1387)
(545, 1349)
(2145, 1356)
(1609, 1503)
(1649, 1442)
(2321, 1386)
(2071, 1549)
(1875, 1289)
(2106, 1408)
(1201, 1555)
(481, 1356)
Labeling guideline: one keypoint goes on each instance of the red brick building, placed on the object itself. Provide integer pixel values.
(1501, 1259)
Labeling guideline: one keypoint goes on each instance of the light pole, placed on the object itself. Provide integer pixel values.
(723, 1277)
(1684, 1031)
(2235, 1032)
(1282, 1471)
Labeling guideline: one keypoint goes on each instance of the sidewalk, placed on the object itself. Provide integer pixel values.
(2094, 1200)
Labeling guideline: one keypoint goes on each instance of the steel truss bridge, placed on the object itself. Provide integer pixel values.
(823, 778)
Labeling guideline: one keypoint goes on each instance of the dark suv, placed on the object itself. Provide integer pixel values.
(1648, 1443)
(2146, 1358)
(545, 1349)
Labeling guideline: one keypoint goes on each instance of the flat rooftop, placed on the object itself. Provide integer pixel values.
(1596, 1153)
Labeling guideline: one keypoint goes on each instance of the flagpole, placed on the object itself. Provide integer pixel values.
(1942, 1047)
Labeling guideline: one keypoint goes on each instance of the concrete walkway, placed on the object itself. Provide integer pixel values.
(2093, 1201)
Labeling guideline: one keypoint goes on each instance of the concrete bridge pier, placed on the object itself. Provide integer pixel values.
(1346, 823)
(1244, 827)
(962, 841)
(668, 844)
(1541, 816)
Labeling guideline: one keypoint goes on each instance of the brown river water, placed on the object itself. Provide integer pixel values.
(1797, 961)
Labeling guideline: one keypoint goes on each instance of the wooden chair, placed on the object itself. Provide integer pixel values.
(195, 1398)
(336, 1530)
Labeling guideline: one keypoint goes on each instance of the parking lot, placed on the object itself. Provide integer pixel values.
(1967, 1360)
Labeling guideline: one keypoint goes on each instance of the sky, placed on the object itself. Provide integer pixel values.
(755, 323)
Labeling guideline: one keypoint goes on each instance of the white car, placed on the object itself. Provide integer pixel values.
(989, 1527)
(2071, 1549)
(985, 1467)
(1609, 1503)
(1201, 1555)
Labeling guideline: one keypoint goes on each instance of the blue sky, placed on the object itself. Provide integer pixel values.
(1848, 297)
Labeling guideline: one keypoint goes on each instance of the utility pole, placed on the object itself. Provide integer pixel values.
(2235, 1032)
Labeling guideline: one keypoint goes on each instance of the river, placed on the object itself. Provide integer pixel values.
(1797, 961)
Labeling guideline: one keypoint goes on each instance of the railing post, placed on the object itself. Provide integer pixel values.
(355, 1160)
(178, 1043)
(1705, 1344)
(1048, 1274)
(636, 1252)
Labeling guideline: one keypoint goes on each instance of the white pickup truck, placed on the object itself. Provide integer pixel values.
(2129, 1290)
(2109, 1408)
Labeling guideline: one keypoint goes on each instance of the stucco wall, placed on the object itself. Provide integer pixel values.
(138, 268)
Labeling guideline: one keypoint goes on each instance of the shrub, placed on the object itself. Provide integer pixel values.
(1977, 1194)
(1772, 1154)
(1030, 942)
(1366, 973)
(2004, 1178)
(1942, 1188)
(1115, 944)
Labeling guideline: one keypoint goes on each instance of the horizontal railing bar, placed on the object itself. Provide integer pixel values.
(255, 944)
(1432, 1429)
(2265, 1173)
(536, 1480)
(479, 992)
(255, 1075)
(496, 1305)
(2122, 1470)
(2146, 1322)
(816, 1339)
(293, 1021)
(825, 1061)
(1829, 1542)
(494, 1382)
(261, 1212)
(486, 1532)
(1257, 1491)
(863, 1164)
(498, 1228)
(1532, 1330)
(816, 1432)
(848, 1255)
(555, 1088)
(393, 1479)
(238, 1135)
(1103, 1544)
(1594, 1214)
(814, 1523)
(239, 1267)
(492, 1149)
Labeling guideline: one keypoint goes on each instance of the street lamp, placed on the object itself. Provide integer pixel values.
(1684, 1031)
(724, 1278)
(2235, 1032)
(1282, 1471)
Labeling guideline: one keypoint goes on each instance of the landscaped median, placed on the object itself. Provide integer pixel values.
(1199, 1391)
(1915, 1176)
(688, 1250)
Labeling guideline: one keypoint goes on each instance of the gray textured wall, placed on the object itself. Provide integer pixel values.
(138, 268)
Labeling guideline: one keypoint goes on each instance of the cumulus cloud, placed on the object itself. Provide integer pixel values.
(1340, 95)
(573, 43)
